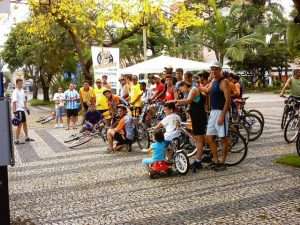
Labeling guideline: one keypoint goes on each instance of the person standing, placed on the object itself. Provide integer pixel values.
(19, 106)
(58, 99)
(101, 101)
(198, 115)
(71, 97)
(105, 83)
(136, 96)
(159, 93)
(124, 90)
(170, 89)
(86, 97)
(294, 84)
(219, 116)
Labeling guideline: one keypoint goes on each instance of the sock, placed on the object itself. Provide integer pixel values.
(197, 161)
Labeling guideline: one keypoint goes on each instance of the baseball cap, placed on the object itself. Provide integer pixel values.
(216, 65)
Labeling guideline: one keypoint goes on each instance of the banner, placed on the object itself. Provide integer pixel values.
(5, 6)
(106, 61)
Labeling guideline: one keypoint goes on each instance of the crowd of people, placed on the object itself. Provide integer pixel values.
(197, 95)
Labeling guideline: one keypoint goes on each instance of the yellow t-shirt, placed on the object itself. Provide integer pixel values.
(86, 96)
(101, 100)
(135, 92)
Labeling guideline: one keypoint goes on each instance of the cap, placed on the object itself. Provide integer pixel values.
(216, 65)
(156, 76)
(107, 90)
(122, 106)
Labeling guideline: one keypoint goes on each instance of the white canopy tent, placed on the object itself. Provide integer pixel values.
(157, 65)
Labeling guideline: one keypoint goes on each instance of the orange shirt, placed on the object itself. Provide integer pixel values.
(121, 126)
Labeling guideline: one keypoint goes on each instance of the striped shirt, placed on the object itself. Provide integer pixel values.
(71, 98)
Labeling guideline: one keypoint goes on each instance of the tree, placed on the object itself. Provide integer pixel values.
(41, 57)
(106, 23)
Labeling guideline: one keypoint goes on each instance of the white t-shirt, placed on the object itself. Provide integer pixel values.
(59, 99)
(170, 124)
(18, 96)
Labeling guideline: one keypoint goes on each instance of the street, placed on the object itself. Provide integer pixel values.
(52, 184)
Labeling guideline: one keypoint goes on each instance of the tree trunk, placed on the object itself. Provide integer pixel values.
(35, 90)
(46, 94)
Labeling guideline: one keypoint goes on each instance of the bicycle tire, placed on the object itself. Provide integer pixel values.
(284, 117)
(286, 129)
(259, 114)
(298, 143)
(180, 160)
(142, 137)
(73, 138)
(47, 120)
(240, 128)
(253, 135)
(240, 152)
(81, 141)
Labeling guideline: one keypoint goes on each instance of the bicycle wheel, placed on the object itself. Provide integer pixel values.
(238, 149)
(254, 126)
(298, 143)
(284, 117)
(291, 129)
(142, 137)
(81, 141)
(242, 129)
(182, 163)
(259, 114)
(73, 137)
(47, 120)
(103, 134)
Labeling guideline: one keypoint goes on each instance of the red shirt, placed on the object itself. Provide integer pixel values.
(170, 94)
(160, 88)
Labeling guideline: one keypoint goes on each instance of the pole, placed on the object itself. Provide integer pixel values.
(4, 194)
(145, 43)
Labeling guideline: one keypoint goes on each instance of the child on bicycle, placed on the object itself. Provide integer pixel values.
(92, 119)
(158, 148)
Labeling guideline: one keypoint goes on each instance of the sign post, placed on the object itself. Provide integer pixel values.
(106, 61)
(5, 159)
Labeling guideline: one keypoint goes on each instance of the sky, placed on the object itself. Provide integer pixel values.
(21, 12)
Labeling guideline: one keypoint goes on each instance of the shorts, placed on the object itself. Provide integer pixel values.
(72, 112)
(121, 140)
(213, 128)
(59, 111)
(105, 114)
(199, 123)
(21, 116)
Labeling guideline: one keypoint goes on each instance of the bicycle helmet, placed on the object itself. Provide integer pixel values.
(16, 121)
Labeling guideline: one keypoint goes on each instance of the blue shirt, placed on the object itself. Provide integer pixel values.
(71, 98)
(159, 150)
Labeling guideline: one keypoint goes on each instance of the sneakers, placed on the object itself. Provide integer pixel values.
(29, 139)
(19, 143)
(217, 166)
(196, 165)
(61, 126)
(56, 126)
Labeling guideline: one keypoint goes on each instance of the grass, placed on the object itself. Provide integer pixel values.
(38, 102)
(290, 160)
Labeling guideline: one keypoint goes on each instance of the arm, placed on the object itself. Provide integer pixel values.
(158, 126)
(225, 88)
(287, 84)
(193, 93)
(237, 90)
(14, 102)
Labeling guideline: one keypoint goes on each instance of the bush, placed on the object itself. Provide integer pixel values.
(38, 102)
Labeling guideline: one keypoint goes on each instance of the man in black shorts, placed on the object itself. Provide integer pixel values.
(19, 106)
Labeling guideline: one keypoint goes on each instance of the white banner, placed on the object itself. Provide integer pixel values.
(5, 6)
(106, 61)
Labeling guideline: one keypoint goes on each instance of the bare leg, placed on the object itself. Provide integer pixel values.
(225, 142)
(200, 140)
(213, 148)
(110, 139)
(18, 132)
(68, 122)
(25, 128)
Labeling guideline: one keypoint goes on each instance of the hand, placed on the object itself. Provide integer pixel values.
(281, 94)
(221, 119)
(28, 112)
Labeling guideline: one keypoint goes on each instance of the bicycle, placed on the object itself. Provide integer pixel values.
(82, 138)
(288, 110)
(237, 152)
(298, 142)
(46, 119)
(293, 124)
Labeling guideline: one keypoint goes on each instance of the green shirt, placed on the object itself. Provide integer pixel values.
(295, 87)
